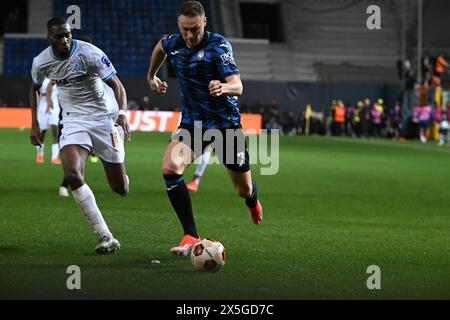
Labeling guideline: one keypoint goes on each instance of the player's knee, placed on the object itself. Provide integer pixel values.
(170, 168)
(74, 178)
(244, 191)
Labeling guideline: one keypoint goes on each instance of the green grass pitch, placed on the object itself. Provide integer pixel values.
(336, 207)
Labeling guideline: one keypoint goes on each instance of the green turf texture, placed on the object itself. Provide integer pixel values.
(336, 207)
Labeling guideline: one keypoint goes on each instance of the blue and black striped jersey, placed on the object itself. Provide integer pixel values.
(195, 67)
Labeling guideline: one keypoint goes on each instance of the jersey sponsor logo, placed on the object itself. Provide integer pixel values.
(227, 58)
(200, 55)
(174, 52)
(79, 67)
(106, 61)
(74, 80)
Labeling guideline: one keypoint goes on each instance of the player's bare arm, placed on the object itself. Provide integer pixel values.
(231, 87)
(48, 95)
(156, 60)
(121, 98)
(35, 135)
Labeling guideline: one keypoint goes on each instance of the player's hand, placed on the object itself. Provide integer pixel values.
(156, 84)
(215, 88)
(123, 122)
(36, 136)
(49, 107)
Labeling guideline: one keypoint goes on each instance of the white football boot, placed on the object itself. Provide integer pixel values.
(107, 245)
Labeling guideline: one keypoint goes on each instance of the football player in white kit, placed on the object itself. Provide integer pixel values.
(48, 116)
(89, 120)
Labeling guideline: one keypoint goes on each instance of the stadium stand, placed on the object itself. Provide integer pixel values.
(252, 57)
(127, 33)
(19, 52)
(328, 34)
(326, 40)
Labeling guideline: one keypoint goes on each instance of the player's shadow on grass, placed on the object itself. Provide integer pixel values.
(10, 250)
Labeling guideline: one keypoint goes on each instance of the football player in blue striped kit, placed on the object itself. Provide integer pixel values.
(210, 86)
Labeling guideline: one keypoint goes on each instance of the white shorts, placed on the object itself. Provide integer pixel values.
(47, 119)
(100, 137)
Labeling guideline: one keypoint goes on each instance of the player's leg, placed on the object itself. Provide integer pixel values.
(177, 158)
(423, 137)
(245, 188)
(55, 145)
(43, 125)
(64, 187)
(74, 162)
(117, 177)
(201, 167)
(107, 141)
(239, 171)
(40, 149)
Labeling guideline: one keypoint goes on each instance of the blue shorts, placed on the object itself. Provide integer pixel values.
(232, 151)
(424, 124)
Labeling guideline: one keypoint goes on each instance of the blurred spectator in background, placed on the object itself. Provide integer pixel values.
(439, 68)
(273, 124)
(349, 126)
(289, 123)
(145, 104)
(317, 123)
(307, 117)
(330, 118)
(357, 119)
(133, 105)
(376, 118)
(364, 115)
(443, 129)
(338, 118)
(443, 117)
(425, 116)
(394, 118)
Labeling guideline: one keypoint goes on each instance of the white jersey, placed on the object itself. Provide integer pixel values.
(82, 94)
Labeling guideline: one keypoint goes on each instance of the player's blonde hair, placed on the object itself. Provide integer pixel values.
(191, 8)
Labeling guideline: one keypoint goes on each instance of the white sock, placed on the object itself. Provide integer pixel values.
(40, 150)
(86, 201)
(55, 151)
(203, 163)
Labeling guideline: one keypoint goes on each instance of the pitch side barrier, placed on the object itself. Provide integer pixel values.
(146, 121)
